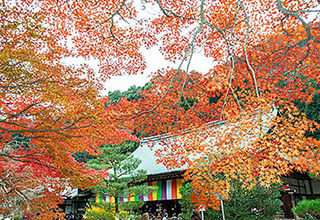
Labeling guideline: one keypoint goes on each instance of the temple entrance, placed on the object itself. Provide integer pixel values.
(162, 208)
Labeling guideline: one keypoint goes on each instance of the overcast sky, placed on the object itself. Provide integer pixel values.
(154, 61)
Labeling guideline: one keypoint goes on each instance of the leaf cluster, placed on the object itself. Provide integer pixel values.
(103, 211)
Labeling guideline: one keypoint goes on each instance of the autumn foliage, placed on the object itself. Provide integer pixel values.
(266, 67)
(48, 111)
(266, 54)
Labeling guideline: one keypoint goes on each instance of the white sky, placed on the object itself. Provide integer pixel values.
(154, 61)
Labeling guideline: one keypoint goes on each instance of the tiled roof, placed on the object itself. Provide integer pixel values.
(148, 146)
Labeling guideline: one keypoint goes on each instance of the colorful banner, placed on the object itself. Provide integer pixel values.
(166, 190)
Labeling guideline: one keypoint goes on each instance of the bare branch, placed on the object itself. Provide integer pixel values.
(295, 14)
(18, 159)
(170, 13)
(246, 52)
(202, 21)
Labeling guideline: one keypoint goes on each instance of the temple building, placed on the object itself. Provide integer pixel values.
(169, 181)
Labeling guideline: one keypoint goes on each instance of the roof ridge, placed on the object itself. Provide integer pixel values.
(169, 135)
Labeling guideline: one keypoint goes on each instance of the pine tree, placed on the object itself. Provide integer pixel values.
(124, 172)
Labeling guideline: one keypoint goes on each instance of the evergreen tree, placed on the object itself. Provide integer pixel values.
(312, 111)
(185, 202)
(123, 173)
(258, 203)
(132, 93)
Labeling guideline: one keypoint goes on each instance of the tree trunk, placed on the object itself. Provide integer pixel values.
(116, 205)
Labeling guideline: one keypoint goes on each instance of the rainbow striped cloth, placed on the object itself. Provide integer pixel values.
(166, 190)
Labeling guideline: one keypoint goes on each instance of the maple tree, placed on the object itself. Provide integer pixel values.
(266, 54)
(262, 63)
(48, 111)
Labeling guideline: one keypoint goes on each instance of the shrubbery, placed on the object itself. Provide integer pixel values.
(106, 211)
(101, 211)
(308, 209)
(259, 203)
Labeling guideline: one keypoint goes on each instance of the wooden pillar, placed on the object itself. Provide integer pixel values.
(311, 188)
